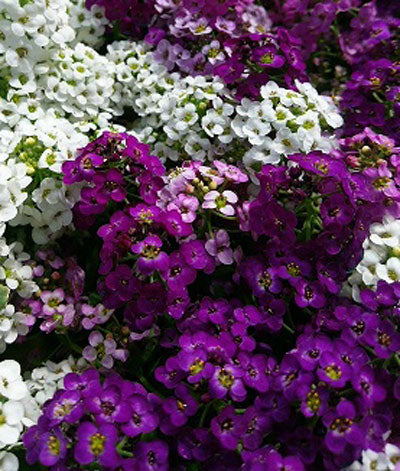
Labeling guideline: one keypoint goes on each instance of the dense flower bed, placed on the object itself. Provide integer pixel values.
(199, 235)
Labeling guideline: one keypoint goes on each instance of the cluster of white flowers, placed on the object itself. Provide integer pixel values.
(195, 117)
(81, 82)
(15, 277)
(387, 460)
(13, 182)
(44, 381)
(55, 92)
(17, 410)
(32, 36)
(286, 122)
(381, 258)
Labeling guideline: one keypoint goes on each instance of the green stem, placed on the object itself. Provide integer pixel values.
(204, 414)
(289, 329)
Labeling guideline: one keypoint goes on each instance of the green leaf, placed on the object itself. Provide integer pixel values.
(4, 295)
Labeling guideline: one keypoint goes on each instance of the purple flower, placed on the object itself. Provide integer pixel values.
(383, 339)
(52, 300)
(85, 383)
(275, 462)
(309, 294)
(261, 278)
(71, 172)
(336, 209)
(219, 247)
(151, 257)
(310, 350)
(230, 172)
(255, 426)
(144, 214)
(194, 253)
(121, 282)
(103, 349)
(142, 417)
(314, 400)
(291, 377)
(65, 407)
(53, 447)
(152, 456)
(178, 274)
(93, 316)
(333, 370)
(181, 407)
(228, 380)
(175, 225)
(214, 311)
(232, 68)
(186, 205)
(170, 374)
(267, 57)
(86, 164)
(107, 405)
(227, 427)
(196, 364)
(195, 444)
(177, 301)
(342, 428)
(255, 368)
(368, 387)
(110, 186)
(96, 444)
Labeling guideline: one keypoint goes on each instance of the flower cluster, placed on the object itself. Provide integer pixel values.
(276, 257)
(232, 40)
(16, 282)
(387, 459)
(195, 117)
(45, 380)
(16, 411)
(199, 235)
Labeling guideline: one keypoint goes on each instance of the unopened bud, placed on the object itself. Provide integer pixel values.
(366, 150)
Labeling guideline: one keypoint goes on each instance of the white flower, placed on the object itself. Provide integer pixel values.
(387, 233)
(8, 461)
(256, 130)
(392, 453)
(48, 192)
(11, 383)
(11, 414)
(389, 272)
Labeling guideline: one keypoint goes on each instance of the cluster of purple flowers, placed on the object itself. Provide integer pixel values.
(203, 272)
(93, 421)
(60, 303)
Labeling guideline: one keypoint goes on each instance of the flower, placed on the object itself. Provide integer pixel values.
(8, 461)
(227, 428)
(53, 448)
(96, 444)
(219, 247)
(153, 456)
(103, 349)
(12, 413)
(11, 383)
(220, 201)
(342, 427)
